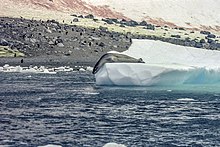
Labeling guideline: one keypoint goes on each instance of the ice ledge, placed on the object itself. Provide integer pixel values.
(133, 74)
(165, 64)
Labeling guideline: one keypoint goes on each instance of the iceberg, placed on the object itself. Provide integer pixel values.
(164, 64)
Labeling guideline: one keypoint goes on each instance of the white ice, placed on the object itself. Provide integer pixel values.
(114, 145)
(42, 69)
(50, 145)
(165, 64)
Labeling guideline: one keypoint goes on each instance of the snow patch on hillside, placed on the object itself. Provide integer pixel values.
(185, 13)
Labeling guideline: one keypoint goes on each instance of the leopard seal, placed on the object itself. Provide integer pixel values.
(114, 57)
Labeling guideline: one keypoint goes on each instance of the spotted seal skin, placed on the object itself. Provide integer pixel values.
(114, 58)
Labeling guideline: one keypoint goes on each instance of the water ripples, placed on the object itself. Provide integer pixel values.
(69, 110)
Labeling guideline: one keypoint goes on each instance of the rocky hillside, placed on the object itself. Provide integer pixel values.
(51, 38)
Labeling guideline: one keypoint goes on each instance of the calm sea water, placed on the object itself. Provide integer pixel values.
(68, 109)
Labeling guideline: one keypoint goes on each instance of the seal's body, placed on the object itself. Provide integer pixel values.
(114, 58)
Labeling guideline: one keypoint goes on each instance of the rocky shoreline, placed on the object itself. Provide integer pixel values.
(53, 43)
(47, 61)
(50, 42)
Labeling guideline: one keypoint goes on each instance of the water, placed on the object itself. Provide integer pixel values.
(67, 109)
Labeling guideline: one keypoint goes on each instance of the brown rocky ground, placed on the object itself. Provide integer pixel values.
(52, 42)
(49, 42)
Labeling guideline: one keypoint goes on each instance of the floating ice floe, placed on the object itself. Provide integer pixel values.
(89, 68)
(63, 69)
(185, 99)
(41, 69)
(51, 145)
(82, 69)
(165, 64)
(114, 145)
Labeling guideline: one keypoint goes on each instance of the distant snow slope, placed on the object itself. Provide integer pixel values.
(185, 13)
(203, 14)
(8, 7)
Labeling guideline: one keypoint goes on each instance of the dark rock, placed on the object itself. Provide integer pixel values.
(123, 21)
(213, 46)
(198, 45)
(149, 27)
(202, 41)
(115, 20)
(187, 43)
(74, 15)
(58, 40)
(121, 25)
(182, 29)
(176, 36)
(80, 16)
(210, 41)
(205, 32)
(90, 16)
(103, 28)
(143, 23)
(108, 21)
(95, 19)
(3, 42)
(211, 36)
(75, 20)
(101, 44)
(205, 45)
(192, 43)
(82, 43)
(218, 45)
(130, 23)
(52, 21)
